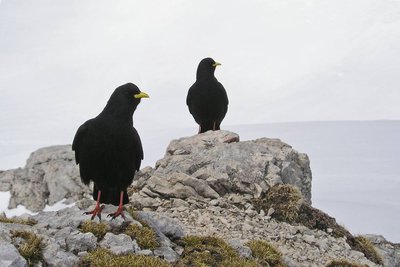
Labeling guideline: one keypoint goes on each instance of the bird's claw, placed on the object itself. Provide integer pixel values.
(116, 214)
(96, 212)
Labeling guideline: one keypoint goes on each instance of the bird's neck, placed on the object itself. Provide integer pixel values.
(119, 113)
(203, 75)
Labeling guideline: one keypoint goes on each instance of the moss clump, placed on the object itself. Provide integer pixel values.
(343, 263)
(31, 248)
(266, 254)
(98, 229)
(145, 236)
(103, 257)
(284, 199)
(316, 219)
(210, 251)
(366, 247)
(28, 221)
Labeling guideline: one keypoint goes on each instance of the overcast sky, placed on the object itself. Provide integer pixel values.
(286, 60)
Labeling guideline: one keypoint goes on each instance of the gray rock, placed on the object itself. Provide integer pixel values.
(213, 164)
(10, 257)
(49, 176)
(162, 224)
(77, 242)
(238, 245)
(176, 202)
(53, 255)
(179, 185)
(390, 252)
(6, 179)
(68, 217)
(119, 244)
(145, 252)
(167, 253)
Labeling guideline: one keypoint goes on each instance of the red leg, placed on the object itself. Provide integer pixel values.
(214, 126)
(120, 210)
(97, 210)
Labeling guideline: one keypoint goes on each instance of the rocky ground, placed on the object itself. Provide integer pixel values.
(206, 185)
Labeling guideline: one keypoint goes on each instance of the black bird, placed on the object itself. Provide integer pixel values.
(207, 99)
(109, 151)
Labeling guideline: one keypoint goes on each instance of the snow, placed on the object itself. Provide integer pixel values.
(21, 209)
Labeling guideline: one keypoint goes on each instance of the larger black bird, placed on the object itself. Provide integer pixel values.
(109, 151)
(207, 99)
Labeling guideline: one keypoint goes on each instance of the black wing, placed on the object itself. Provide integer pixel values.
(139, 149)
(225, 97)
(190, 96)
(79, 137)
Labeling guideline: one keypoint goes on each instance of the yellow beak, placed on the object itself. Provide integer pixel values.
(141, 95)
(216, 64)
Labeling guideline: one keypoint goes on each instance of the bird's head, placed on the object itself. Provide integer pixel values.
(125, 99)
(206, 68)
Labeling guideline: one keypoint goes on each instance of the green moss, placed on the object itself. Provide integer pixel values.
(366, 247)
(28, 221)
(103, 257)
(98, 229)
(31, 248)
(284, 199)
(265, 253)
(210, 251)
(239, 262)
(145, 236)
(343, 263)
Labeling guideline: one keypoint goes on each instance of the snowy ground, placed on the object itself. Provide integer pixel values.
(354, 164)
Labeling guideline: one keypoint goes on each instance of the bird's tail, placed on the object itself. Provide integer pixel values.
(206, 126)
(110, 196)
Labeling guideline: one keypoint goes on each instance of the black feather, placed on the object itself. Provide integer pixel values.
(207, 99)
(108, 148)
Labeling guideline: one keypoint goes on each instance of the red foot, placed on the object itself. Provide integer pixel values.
(120, 211)
(96, 212)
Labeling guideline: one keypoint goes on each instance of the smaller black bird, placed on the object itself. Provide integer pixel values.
(109, 151)
(207, 99)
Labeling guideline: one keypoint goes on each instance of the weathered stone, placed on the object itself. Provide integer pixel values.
(10, 257)
(78, 241)
(210, 165)
(68, 217)
(167, 253)
(119, 244)
(53, 255)
(176, 202)
(180, 185)
(144, 252)
(390, 252)
(238, 245)
(162, 223)
(49, 176)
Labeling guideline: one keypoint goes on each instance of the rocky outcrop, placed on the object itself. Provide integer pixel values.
(49, 176)
(215, 164)
(65, 242)
(205, 185)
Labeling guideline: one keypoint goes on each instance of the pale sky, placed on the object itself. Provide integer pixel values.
(286, 60)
